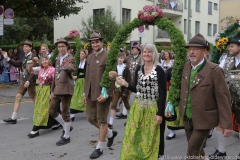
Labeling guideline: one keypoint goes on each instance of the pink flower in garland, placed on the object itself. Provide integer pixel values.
(73, 33)
(150, 13)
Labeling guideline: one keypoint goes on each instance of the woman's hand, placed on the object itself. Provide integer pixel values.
(101, 99)
(112, 75)
(158, 119)
(122, 82)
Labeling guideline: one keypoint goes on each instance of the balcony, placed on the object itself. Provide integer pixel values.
(162, 37)
(171, 8)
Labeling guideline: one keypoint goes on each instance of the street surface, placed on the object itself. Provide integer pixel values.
(15, 144)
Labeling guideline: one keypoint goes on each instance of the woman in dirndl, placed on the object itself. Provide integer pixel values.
(77, 105)
(41, 118)
(143, 138)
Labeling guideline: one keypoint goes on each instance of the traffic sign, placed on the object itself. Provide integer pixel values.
(9, 13)
(141, 29)
(1, 10)
(8, 21)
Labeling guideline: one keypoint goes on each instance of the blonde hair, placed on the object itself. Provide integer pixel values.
(46, 46)
(155, 55)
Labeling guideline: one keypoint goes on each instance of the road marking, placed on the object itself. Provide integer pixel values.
(19, 119)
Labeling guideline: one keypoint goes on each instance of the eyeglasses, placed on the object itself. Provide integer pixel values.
(62, 46)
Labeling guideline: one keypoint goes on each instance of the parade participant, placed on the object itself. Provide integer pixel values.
(147, 111)
(231, 66)
(41, 118)
(204, 82)
(167, 61)
(132, 61)
(45, 51)
(77, 105)
(28, 81)
(62, 89)
(120, 92)
(97, 105)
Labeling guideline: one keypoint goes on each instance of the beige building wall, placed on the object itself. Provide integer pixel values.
(229, 8)
(62, 26)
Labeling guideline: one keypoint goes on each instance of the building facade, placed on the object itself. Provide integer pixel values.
(190, 16)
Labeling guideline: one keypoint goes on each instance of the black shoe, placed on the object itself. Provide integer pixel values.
(33, 135)
(125, 123)
(217, 155)
(96, 153)
(72, 119)
(56, 127)
(71, 128)
(110, 140)
(121, 116)
(63, 141)
(238, 158)
(10, 120)
(169, 138)
(110, 126)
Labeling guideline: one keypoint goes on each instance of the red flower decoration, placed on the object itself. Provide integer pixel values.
(73, 33)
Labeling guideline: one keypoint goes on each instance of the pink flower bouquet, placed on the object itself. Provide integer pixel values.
(150, 13)
(73, 33)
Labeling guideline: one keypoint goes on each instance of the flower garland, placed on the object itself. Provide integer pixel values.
(179, 49)
(222, 38)
(150, 13)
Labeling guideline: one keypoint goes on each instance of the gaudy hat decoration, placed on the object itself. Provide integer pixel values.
(95, 35)
(28, 42)
(62, 40)
(198, 41)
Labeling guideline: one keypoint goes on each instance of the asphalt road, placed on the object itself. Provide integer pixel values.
(15, 144)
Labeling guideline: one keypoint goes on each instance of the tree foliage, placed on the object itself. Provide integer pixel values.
(105, 23)
(43, 8)
(34, 29)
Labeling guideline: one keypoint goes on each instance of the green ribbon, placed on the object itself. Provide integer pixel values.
(170, 108)
(104, 93)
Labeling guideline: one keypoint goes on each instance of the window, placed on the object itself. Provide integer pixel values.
(185, 4)
(147, 26)
(209, 7)
(215, 6)
(126, 15)
(197, 27)
(98, 11)
(197, 5)
(185, 26)
(214, 29)
(209, 29)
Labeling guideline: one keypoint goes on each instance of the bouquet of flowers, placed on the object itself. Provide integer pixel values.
(73, 33)
(222, 43)
(150, 13)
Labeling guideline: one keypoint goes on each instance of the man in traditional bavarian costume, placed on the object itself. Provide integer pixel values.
(62, 89)
(97, 104)
(28, 81)
(204, 100)
(132, 61)
(231, 66)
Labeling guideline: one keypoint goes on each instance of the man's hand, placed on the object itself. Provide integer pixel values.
(226, 132)
(4, 54)
(51, 95)
(158, 119)
(84, 100)
(65, 62)
(26, 84)
(74, 77)
(101, 99)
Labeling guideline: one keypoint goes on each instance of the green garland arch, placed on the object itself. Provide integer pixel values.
(78, 47)
(179, 49)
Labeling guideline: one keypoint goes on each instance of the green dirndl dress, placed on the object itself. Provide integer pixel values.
(77, 98)
(42, 104)
(142, 135)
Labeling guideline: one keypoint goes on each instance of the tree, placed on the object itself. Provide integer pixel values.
(42, 8)
(35, 29)
(105, 23)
